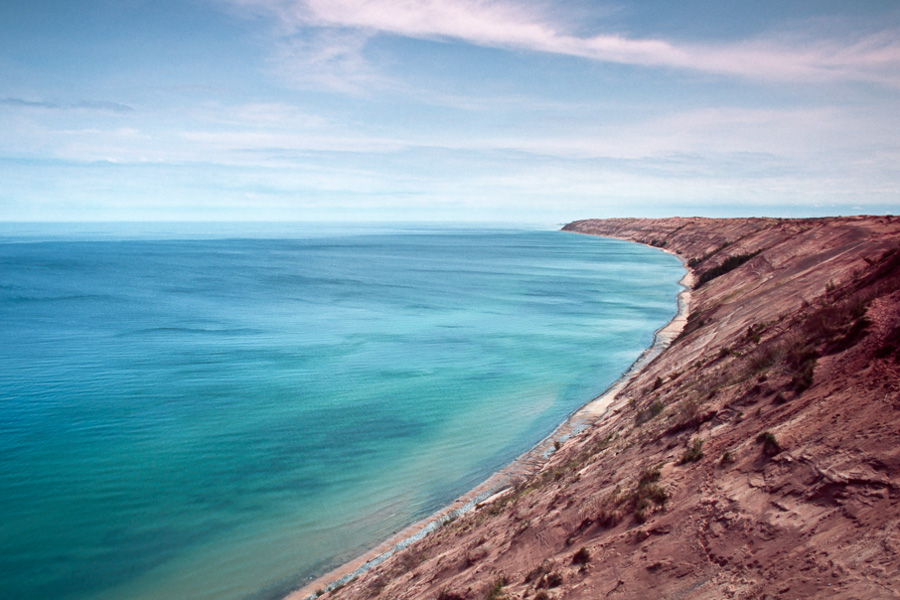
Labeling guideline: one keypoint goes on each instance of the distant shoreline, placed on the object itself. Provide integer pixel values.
(598, 407)
(523, 466)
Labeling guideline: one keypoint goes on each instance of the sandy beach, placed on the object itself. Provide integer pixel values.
(521, 468)
(756, 457)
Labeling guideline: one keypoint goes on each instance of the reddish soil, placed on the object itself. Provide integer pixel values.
(757, 457)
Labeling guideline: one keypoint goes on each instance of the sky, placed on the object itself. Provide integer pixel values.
(447, 110)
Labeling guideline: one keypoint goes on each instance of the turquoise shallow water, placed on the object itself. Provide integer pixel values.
(223, 416)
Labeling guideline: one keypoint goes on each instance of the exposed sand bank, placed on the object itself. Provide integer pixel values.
(522, 467)
(757, 457)
(600, 406)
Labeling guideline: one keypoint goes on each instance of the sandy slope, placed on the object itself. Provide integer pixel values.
(786, 385)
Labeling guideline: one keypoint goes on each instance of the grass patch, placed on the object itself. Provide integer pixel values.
(654, 410)
(642, 499)
(550, 580)
(649, 476)
(495, 592)
(693, 453)
(539, 571)
(770, 444)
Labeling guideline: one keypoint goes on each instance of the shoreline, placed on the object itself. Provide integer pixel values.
(523, 466)
(754, 456)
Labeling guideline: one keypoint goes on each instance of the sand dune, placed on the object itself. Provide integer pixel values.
(758, 456)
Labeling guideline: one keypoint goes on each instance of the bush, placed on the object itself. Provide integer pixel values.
(648, 476)
(496, 590)
(771, 447)
(582, 557)
(648, 413)
(640, 499)
(607, 518)
(550, 580)
(891, 345)
(699, 259)
(647, 492)
(537, 572)
(639, 515)
(729, 264)
(693, 453)
(657, 494)
(803, 377)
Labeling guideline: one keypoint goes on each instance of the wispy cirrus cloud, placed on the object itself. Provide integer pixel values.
(329, 58)
(95, 105)
(872, 57)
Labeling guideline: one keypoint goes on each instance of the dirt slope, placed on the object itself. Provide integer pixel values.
(757, 457)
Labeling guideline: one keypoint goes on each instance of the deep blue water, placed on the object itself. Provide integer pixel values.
(224, 418)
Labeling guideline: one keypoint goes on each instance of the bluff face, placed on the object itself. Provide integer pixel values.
(757, 457)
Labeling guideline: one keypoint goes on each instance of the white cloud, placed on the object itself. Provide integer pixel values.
(532, 27)
(259, 115)
(328, 58)
(278, 135)
(86, 105)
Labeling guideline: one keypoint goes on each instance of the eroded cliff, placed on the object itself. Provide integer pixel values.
(757, 457)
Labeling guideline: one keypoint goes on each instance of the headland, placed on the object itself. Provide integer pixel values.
(756, 456)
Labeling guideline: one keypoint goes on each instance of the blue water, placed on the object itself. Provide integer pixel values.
(224, 418)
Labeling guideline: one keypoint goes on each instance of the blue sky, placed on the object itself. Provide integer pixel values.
(466, 110)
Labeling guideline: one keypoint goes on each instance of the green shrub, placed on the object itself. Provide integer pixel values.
(550, 580)
(648, 476)
(803, 366)
(582, 557)
(655, 408)
(607, 517)
(657, 494)
(639, 500)
(496, 590)
(699, 259)
(771, 447)
(729, 264)
(693, 453)
(537, 572)
(891, 345)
